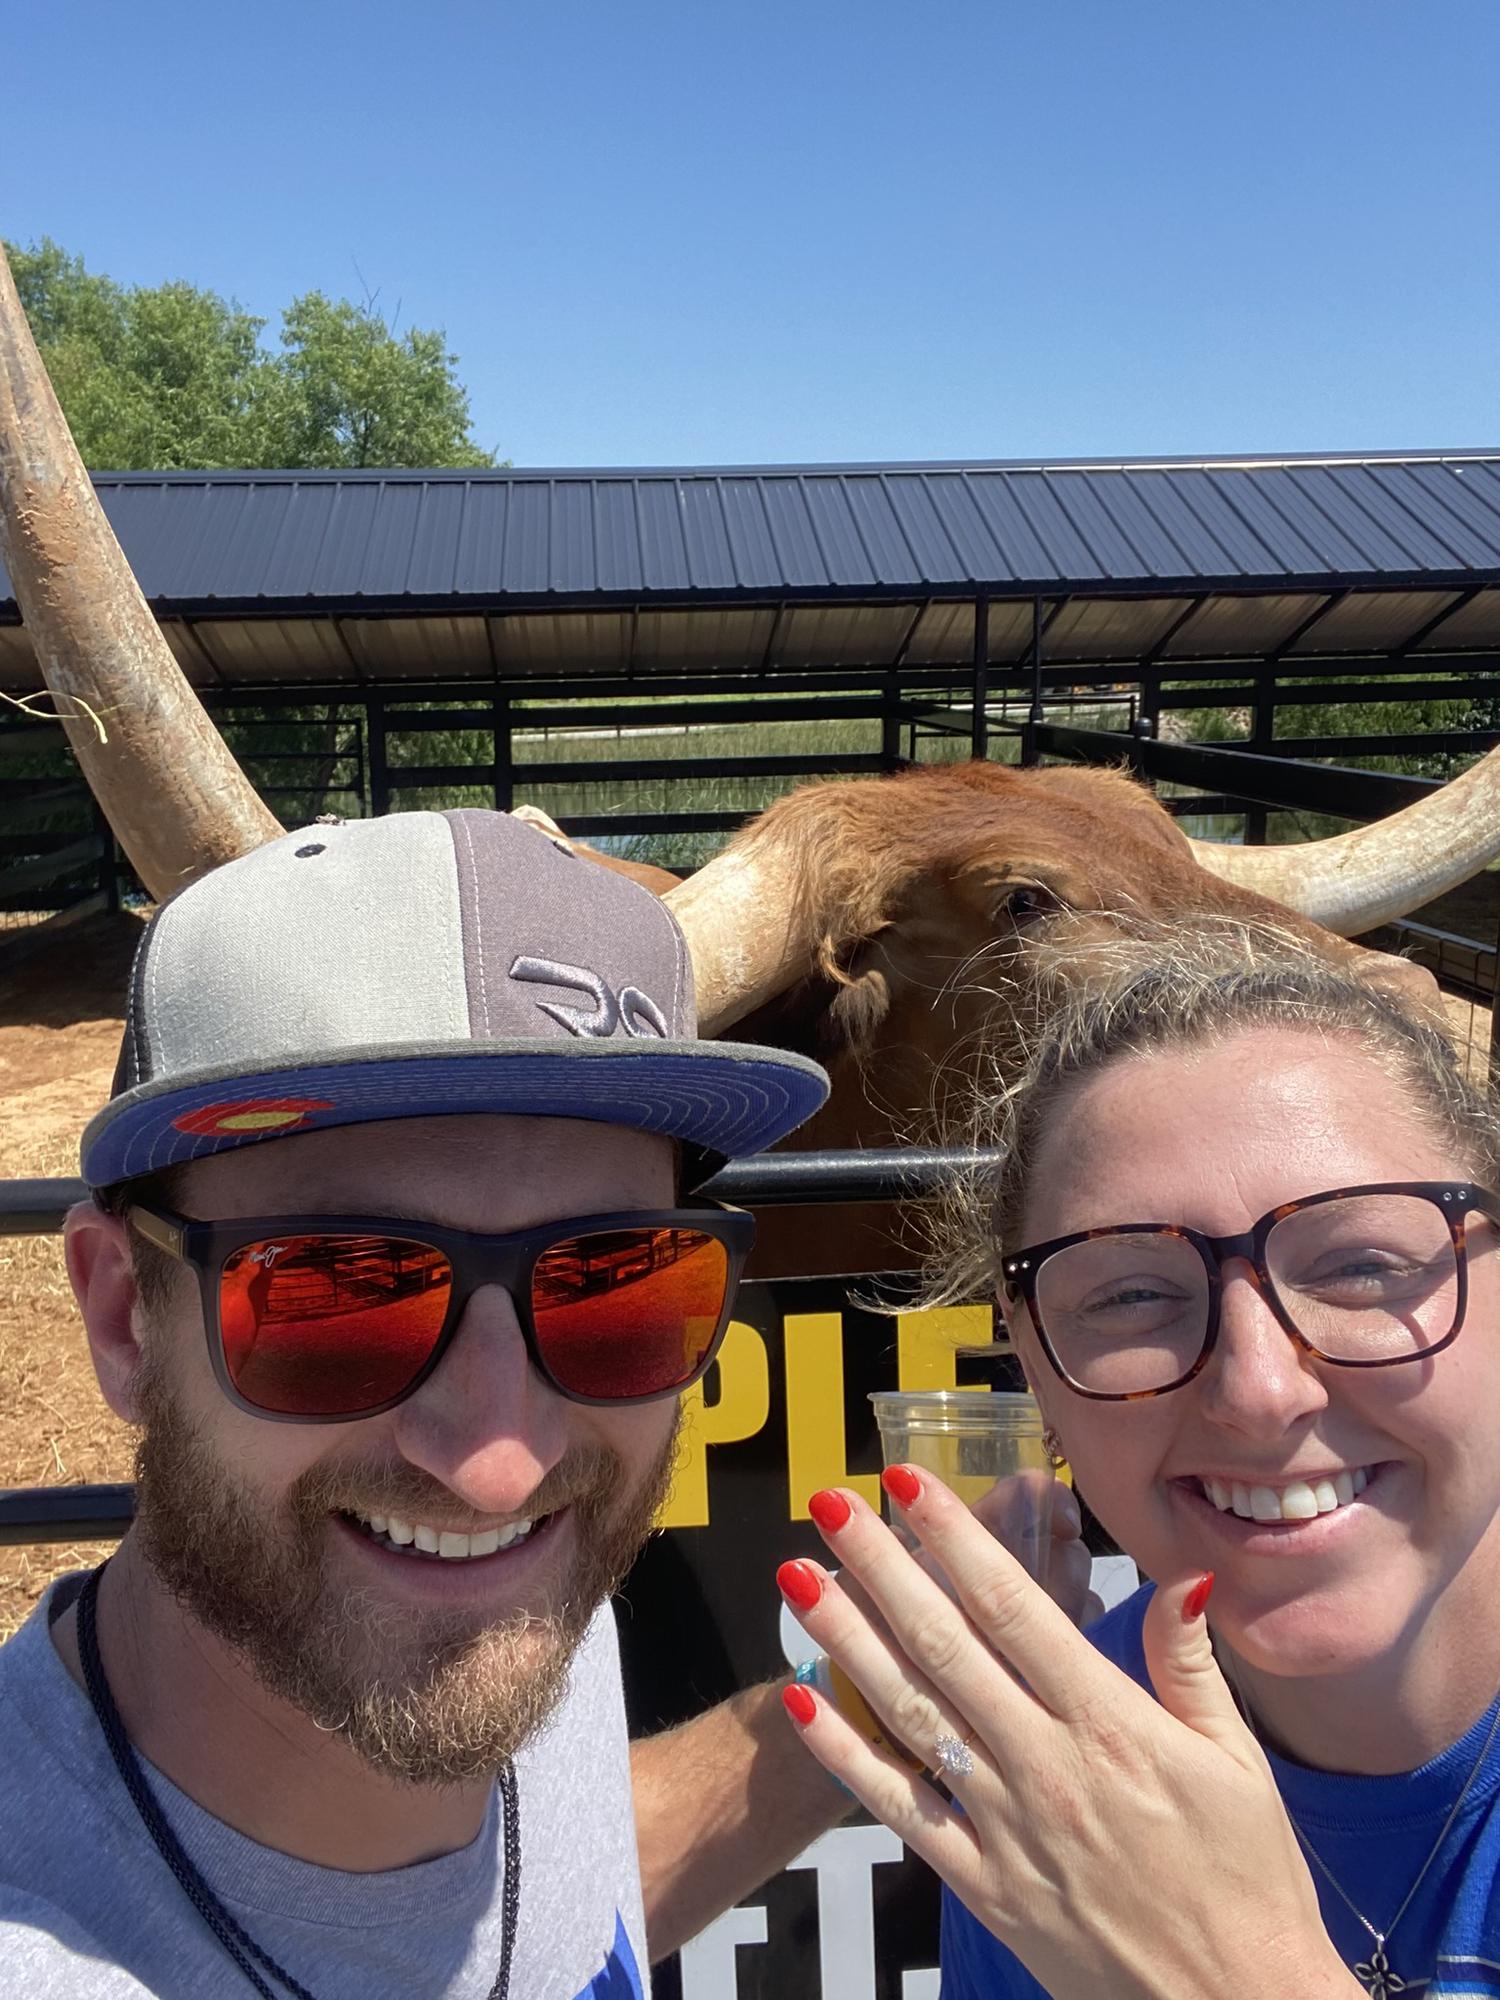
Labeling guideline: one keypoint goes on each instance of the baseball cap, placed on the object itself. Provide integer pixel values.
(418, 964)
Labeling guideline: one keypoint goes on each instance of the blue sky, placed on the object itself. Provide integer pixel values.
(664, 233)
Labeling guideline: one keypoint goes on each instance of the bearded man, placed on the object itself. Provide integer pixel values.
(390, 1260)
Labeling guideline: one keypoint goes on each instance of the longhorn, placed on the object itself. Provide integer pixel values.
(166, 779)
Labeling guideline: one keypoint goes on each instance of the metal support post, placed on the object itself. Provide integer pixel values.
(380, 775)
(1262, 736)
(979, 728)
(109, 866)
(1037, 715)
(890, 722)
(1148, 721)
(504, 788)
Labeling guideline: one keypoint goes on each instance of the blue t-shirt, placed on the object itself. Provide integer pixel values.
(1374, 1833)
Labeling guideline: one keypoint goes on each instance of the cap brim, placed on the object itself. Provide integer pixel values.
(728, 1098)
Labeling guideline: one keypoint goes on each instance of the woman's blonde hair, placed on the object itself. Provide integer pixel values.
(1161, 988)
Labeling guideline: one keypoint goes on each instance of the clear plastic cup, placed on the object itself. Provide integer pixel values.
(975, 1439)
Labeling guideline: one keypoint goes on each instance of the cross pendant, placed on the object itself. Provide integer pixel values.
(1378, 1976)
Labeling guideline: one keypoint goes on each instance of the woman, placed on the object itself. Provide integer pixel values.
(1280, 1391)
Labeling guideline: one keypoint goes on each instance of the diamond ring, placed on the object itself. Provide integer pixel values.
(953, 1754)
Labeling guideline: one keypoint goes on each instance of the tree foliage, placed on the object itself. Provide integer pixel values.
(168, 377)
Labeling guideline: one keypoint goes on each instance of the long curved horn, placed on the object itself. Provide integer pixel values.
(173, 793)
(1355, 881)
(739, 913)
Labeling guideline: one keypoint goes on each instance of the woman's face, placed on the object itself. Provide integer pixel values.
(1212, 1139)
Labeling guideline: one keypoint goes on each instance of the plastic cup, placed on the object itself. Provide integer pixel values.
(975, 1439)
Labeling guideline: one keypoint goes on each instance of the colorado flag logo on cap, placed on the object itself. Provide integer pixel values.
(250, 1114)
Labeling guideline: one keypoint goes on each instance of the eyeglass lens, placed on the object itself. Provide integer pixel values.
(1364, 1278)
(330, 1325)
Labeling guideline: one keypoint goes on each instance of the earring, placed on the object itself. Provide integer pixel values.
(1052, 1445)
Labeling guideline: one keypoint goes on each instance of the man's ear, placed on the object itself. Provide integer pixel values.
(97, 1248)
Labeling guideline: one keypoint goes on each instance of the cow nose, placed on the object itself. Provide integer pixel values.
(484, 1422)
(1259, 1381)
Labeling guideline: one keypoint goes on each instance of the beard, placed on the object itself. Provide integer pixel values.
(422, 1696)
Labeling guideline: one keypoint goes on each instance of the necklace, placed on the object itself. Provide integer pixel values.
(236, 1941)
(1376, 1973)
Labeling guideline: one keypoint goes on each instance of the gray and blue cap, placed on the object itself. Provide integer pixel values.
(421, 964)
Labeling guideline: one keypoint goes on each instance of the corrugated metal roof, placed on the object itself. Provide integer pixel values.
(218, 542)
(323, 577)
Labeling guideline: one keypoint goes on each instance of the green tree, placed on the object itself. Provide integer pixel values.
(350, 392)
(168, 377)
(149, 377)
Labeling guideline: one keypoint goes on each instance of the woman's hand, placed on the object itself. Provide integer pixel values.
(1117, 1844)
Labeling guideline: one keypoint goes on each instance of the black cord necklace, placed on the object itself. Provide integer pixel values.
(237, 1942)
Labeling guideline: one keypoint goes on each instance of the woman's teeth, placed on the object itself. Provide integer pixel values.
(1300, 1501)
(416, 1538)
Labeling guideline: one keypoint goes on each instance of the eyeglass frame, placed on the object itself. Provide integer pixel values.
(508, 1260)
(1454, 1200)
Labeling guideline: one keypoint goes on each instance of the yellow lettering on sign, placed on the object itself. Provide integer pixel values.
(928, 1343)
(742, 1408)
(816, 1449)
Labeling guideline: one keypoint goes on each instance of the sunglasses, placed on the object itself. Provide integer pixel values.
(322, 1319)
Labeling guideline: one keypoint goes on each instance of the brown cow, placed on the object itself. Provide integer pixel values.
(930, 911)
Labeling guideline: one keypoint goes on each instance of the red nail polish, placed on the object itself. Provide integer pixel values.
(902, 1484)
(799, 1704)
(799, 1585)
(1197, 1597)
(829, 1510)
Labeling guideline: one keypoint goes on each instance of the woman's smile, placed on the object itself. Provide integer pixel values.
(1298, 1517)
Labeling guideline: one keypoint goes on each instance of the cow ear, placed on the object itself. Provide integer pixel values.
(862, 996)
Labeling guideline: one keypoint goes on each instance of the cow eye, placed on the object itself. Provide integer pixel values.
(1026, 903)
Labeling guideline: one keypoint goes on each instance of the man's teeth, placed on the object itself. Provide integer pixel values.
(416, 1535)
(1297, 1502)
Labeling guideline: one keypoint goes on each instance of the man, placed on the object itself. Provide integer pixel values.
(389, 1260)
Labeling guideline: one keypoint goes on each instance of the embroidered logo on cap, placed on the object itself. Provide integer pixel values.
(250, 1114)
(636, 1012)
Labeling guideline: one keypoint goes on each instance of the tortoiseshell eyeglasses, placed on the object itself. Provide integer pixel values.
(1363, 1277)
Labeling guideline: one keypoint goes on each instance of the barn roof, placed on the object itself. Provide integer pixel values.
(372, 576)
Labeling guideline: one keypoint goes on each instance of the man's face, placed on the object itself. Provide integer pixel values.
(434, 1669)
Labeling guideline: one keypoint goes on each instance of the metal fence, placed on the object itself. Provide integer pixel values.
(366, 750)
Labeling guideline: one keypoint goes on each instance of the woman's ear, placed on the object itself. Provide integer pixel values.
(97, 1248)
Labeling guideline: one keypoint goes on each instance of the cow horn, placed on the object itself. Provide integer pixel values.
(1353, 882)
(172, 791)
(739, 913)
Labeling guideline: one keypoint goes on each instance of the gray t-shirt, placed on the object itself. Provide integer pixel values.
(88, 1906)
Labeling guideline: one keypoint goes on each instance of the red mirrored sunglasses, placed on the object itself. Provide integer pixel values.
(321, 1319)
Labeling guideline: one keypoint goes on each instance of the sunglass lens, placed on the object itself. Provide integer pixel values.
(622, 1313)
(328, 1326)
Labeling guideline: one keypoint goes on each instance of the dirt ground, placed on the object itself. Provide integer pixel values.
(60, 1020)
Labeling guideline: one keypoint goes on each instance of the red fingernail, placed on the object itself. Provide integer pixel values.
(1197, 1597)
(829, 1510)
(798, 1703)
(798, 1583)
(902, 1484)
